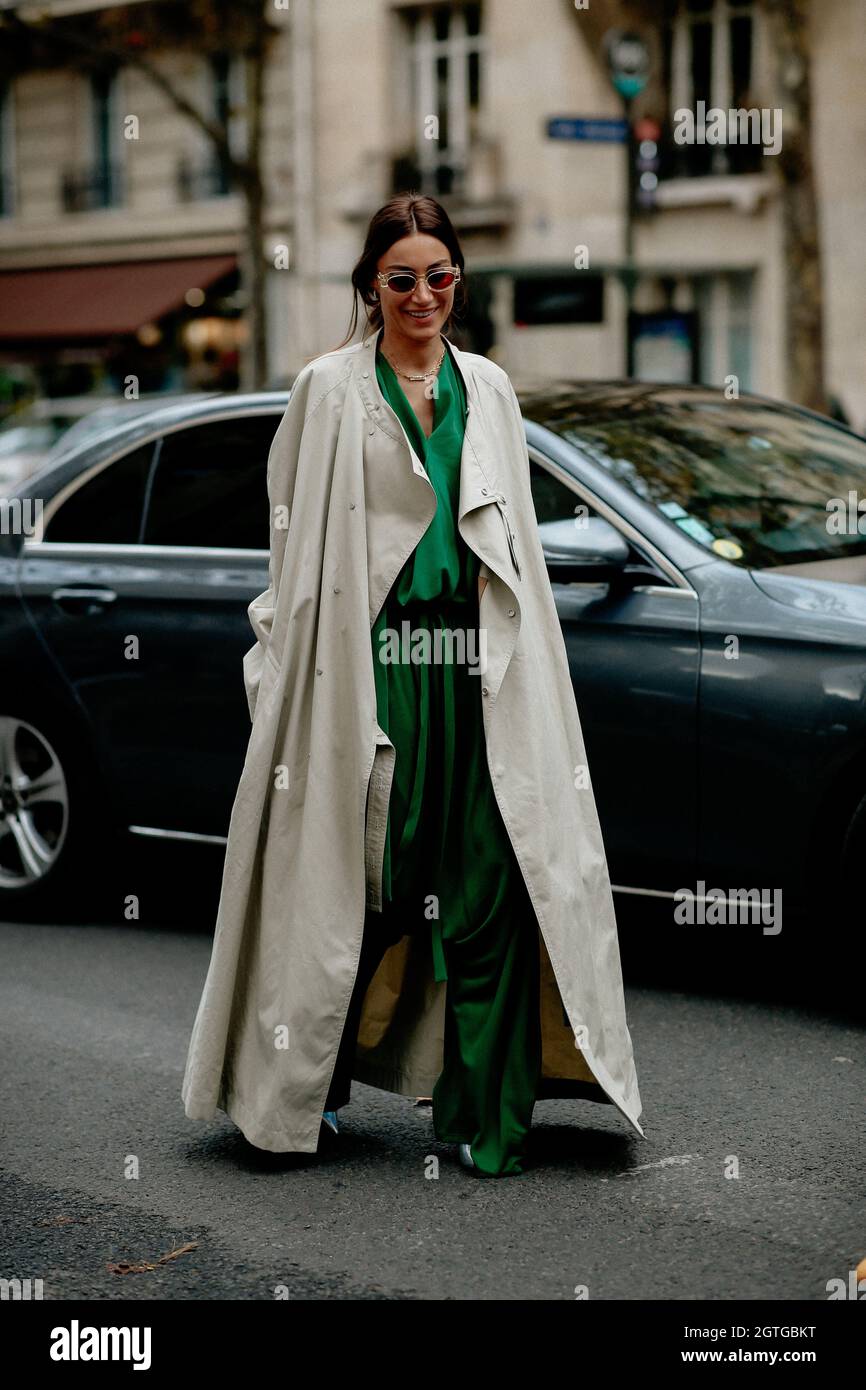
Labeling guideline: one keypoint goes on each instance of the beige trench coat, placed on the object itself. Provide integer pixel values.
(349, 501)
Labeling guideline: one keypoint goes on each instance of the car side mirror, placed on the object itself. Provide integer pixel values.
(586, 550)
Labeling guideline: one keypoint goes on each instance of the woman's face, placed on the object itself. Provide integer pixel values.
(415, 318)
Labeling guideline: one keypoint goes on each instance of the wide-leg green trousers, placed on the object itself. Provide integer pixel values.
(451, 874)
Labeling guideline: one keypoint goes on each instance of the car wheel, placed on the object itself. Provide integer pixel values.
(49, 823)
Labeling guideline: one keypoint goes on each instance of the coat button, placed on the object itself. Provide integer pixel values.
(336, 590)
(371, 431)
(511, 612)
(485, 690)
(366, 374)
(351, 506)
(484, 492)
(318, 670)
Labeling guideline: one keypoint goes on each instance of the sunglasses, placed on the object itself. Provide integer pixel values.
(404, 281)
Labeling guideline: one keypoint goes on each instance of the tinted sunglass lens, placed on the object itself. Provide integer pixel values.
(440, 279)
(402, 283)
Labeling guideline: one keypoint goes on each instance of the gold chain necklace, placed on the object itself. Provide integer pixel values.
(422, 376)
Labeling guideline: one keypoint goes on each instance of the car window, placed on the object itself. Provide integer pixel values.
(751, 481)
(108, 507)
(552, 499)
(210, 485)
(555, 501)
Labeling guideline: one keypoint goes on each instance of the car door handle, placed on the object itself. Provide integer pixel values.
(82, 601)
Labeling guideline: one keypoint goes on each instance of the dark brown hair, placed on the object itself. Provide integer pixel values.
(404, 215)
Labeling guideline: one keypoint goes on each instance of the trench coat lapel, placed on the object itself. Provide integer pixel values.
(395, 529)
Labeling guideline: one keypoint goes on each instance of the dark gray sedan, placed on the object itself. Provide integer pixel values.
(708, 559)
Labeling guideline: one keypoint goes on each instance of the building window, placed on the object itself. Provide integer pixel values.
(207, 174)
(708, 54)
(106, 134)
(446, 52)
(545, 299)
(99, 183)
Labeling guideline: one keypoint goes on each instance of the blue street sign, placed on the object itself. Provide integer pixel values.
(599, 129)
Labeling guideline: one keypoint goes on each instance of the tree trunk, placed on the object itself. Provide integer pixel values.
(243, 27)
(789, 22)
(254, 359)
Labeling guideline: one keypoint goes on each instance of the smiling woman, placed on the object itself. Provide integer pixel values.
(444, 832)
(428, 909)
(410, 277)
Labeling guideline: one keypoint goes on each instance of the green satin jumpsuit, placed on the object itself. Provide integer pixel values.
(446, 843)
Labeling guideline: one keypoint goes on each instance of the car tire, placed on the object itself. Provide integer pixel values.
(55, 842)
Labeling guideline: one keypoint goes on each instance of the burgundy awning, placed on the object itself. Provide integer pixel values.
(96, 301)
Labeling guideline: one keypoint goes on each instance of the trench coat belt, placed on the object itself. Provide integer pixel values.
(378, 797)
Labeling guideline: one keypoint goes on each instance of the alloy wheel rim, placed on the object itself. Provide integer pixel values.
(34, 805)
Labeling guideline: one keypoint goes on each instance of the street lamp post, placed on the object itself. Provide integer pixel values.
(628, 63)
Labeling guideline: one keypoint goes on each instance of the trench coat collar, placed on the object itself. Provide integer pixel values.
(478, 478)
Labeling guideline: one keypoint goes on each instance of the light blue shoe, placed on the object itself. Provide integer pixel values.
(329, 1117)
(465, 1154)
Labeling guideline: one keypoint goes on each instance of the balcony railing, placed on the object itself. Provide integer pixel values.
(706, 161)
(96, 186)
(447, 176)
(470, 188)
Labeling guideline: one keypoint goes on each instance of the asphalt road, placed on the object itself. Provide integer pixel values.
(763, 1074)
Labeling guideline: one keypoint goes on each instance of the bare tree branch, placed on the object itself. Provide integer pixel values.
(241, 26)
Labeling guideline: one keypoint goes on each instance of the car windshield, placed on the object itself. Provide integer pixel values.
(755, 483)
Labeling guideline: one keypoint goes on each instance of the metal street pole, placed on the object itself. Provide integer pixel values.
(628, 61)
(629, 270)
